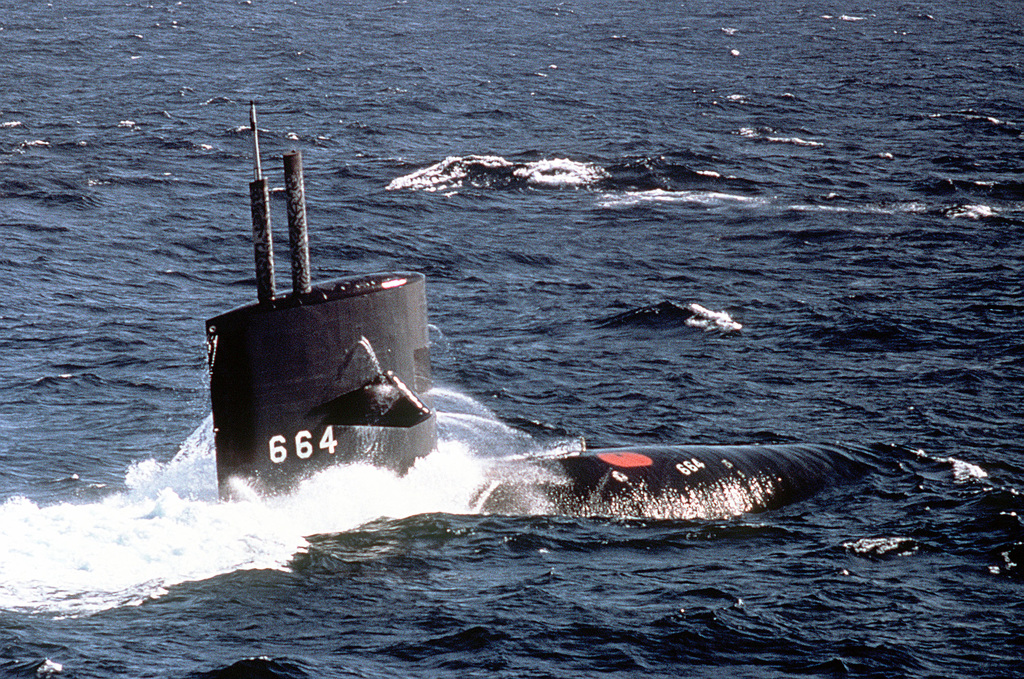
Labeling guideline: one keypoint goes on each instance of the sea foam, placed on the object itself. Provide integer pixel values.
(169, 527)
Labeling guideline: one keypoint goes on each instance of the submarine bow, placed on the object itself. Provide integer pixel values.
(669, 481)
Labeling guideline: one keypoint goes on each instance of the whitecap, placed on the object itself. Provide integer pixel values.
(449, 173)
(560, 172)
(971, 212)
(452, 172)
(751, 133)
(964, 472)
(708, 319)
(910, 207)
(706, 198)
(882, 546)
(797, 141)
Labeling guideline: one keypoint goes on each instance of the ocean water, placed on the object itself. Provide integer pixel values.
(841, 186)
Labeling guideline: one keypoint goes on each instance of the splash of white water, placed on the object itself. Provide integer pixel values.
(76, 558)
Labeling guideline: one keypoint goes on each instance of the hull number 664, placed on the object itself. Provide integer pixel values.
(303, 445)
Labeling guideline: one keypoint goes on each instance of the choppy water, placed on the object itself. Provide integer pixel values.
(844, 181)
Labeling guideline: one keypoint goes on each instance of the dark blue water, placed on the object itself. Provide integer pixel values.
(845, 181)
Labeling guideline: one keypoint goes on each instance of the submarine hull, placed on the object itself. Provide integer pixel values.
(676, 482)
(334, 375)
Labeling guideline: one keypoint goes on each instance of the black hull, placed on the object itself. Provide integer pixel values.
(682, 482)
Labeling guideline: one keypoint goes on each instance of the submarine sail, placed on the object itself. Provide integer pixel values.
(329, 373)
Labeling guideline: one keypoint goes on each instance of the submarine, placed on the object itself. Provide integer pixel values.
(339, 373)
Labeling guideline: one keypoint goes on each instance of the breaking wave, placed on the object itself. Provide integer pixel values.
(454, 173)
(660, 176)
(667, 314)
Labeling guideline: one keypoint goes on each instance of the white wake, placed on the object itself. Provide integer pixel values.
(169, 527)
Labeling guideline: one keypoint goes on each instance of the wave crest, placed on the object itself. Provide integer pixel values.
(632, 176)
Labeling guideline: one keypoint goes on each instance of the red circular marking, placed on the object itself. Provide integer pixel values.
(625, 459)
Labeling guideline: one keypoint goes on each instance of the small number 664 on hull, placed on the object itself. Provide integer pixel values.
(335, 375)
